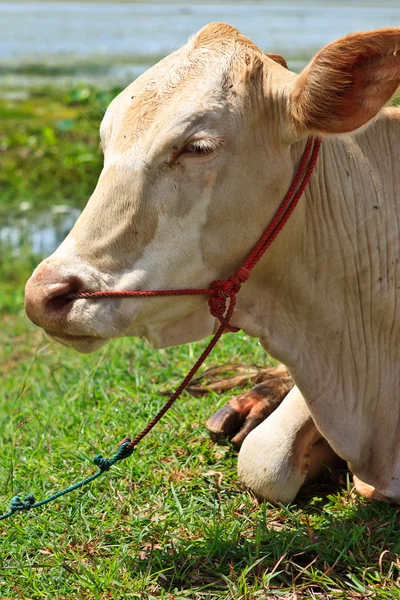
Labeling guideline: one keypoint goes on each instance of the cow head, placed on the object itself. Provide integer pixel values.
(198, 153)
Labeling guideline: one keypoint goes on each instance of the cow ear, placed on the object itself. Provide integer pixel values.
(347, 83)
(279, 59)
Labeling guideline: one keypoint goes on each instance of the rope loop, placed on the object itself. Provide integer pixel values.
(125, 449)
(25, 504)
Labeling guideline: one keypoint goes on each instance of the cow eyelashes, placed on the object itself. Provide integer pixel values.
(201, 146)
(197, 147)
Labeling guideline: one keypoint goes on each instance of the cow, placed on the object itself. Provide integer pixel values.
(198, 153)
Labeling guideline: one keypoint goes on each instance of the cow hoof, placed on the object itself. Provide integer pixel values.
(368, 491)
(241, 415)
(223, 423)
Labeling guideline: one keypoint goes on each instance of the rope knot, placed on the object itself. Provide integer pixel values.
(125, 449)
(25, 504)
(222, 289)
(102, 463)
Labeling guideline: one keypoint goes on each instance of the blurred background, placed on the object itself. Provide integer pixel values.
(61, 63)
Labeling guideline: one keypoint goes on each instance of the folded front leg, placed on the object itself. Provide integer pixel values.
(284, 452)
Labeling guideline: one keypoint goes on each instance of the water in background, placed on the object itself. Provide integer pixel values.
(111, 43)
(106, 42)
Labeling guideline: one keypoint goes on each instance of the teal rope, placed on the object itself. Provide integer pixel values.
(104, 464)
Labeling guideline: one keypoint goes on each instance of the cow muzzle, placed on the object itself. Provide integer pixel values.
(85, 324)
(74, 323)
(46, 296)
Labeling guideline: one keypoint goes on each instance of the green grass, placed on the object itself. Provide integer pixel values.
(172, 520)
(49, 141)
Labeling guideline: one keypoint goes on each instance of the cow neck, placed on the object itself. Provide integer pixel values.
(223, 289)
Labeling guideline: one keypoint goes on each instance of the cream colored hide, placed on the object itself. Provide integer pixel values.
(198, 154)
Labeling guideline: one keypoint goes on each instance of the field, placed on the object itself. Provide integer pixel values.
(172, 520)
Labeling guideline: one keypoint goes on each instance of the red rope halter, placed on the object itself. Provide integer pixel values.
(220, 290)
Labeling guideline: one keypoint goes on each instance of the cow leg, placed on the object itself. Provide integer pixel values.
(245, 412)
(284, 452)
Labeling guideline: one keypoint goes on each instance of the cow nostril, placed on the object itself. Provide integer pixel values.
(46, 296)
(58, 293)
(57, 304)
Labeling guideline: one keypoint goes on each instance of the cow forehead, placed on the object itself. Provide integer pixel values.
(184, 83)
(135, 111)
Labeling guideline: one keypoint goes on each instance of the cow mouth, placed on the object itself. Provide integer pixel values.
(72, 338)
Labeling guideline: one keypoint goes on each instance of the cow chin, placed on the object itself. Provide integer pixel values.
(83, 344)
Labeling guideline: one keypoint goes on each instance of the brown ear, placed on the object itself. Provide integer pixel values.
(279, 59)
(348, 82)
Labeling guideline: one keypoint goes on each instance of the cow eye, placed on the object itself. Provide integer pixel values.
(201, 146)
